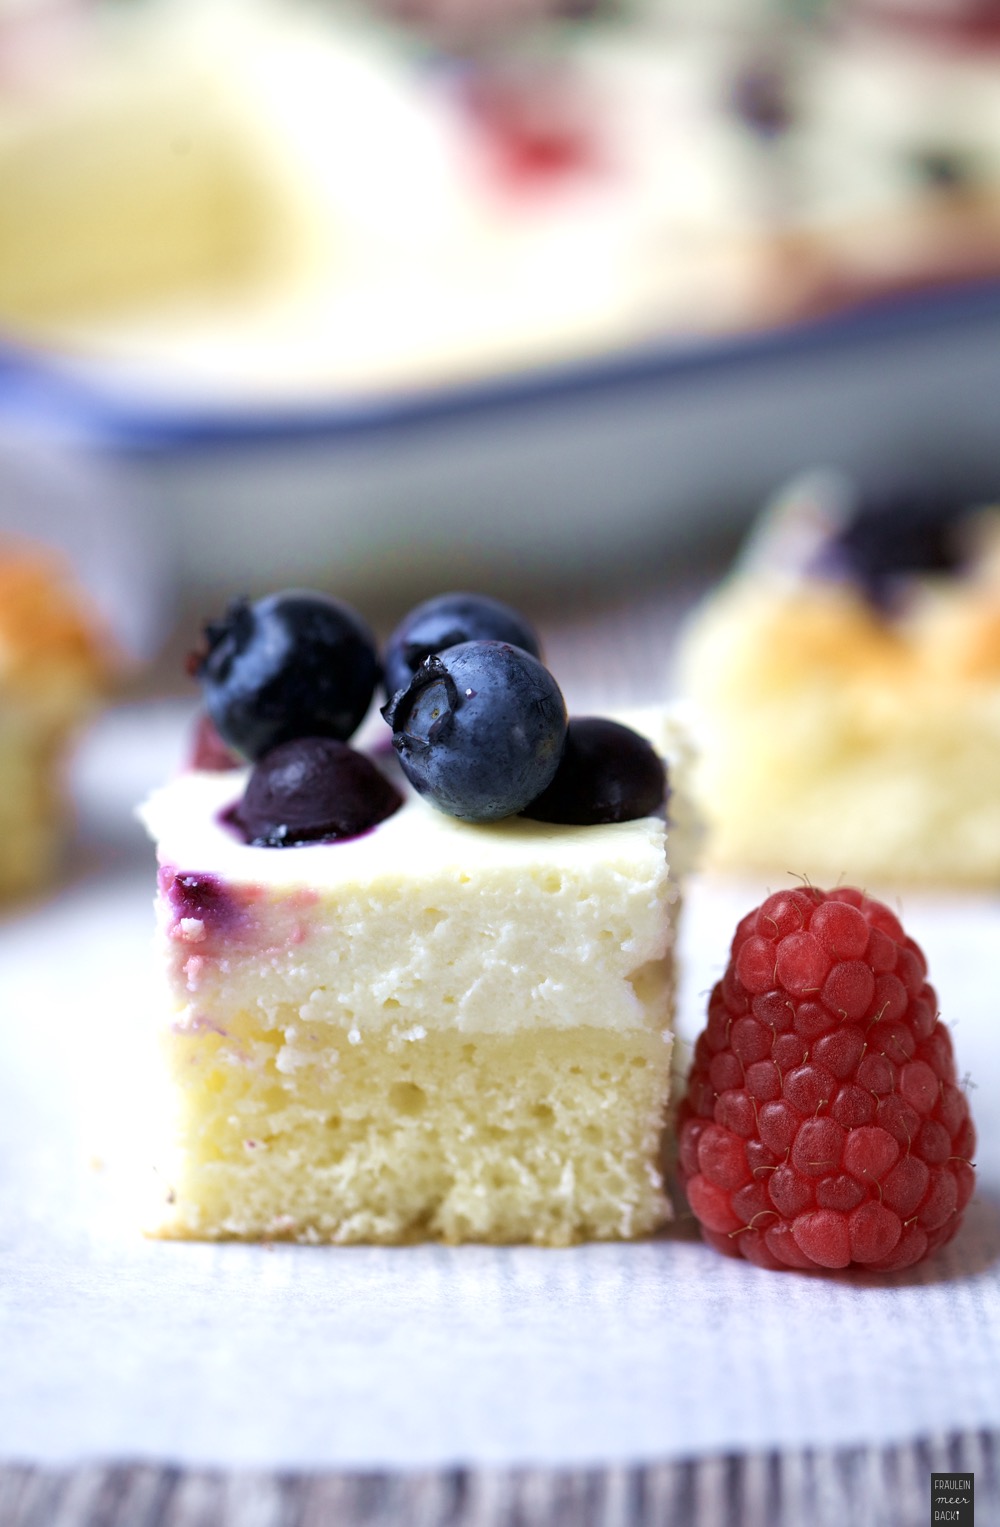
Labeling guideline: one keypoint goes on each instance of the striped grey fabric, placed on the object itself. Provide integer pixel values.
(854, 1487)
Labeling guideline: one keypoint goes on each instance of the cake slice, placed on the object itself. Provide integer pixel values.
(438, 1029)
(420, 1027)
(847, 679)
(54, 669)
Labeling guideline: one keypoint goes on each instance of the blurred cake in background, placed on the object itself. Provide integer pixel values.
(847, 680)
(55, 668)
(280, 197)
(908, 117)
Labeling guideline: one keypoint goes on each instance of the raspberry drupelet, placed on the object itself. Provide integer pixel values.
(823, 1124)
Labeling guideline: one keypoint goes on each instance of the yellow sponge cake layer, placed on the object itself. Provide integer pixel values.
(291, 1131)
(433, 1030)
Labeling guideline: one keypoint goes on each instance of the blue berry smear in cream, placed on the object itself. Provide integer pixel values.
(202, 900)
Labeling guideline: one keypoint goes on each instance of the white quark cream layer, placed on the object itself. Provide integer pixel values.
(425, 923)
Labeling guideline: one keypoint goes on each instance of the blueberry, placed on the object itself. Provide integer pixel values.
(607, 773)
(447, 621)
(296, 664)
(895, 530)
(479, 729)
(311, 789)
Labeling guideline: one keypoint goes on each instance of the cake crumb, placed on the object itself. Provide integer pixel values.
(189, 930)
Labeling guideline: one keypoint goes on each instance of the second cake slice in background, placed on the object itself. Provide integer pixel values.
(847, 679)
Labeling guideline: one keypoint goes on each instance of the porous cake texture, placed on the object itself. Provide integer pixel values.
(435, 1030)
(838, 740)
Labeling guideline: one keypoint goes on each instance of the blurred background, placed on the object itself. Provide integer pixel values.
(537, 296)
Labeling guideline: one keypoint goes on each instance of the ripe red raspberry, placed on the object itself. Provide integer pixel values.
(823, 1123)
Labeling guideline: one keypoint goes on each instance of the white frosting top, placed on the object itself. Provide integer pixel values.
(185, 818)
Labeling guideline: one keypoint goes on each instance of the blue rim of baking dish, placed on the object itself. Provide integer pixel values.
(78, 398)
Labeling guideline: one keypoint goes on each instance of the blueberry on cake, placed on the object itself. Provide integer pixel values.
(847, 677)
(54, 669)
(422, 990)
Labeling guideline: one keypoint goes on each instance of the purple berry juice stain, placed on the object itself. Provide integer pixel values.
(202, 898)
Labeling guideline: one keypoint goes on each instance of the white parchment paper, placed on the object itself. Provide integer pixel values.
(286, 1356)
